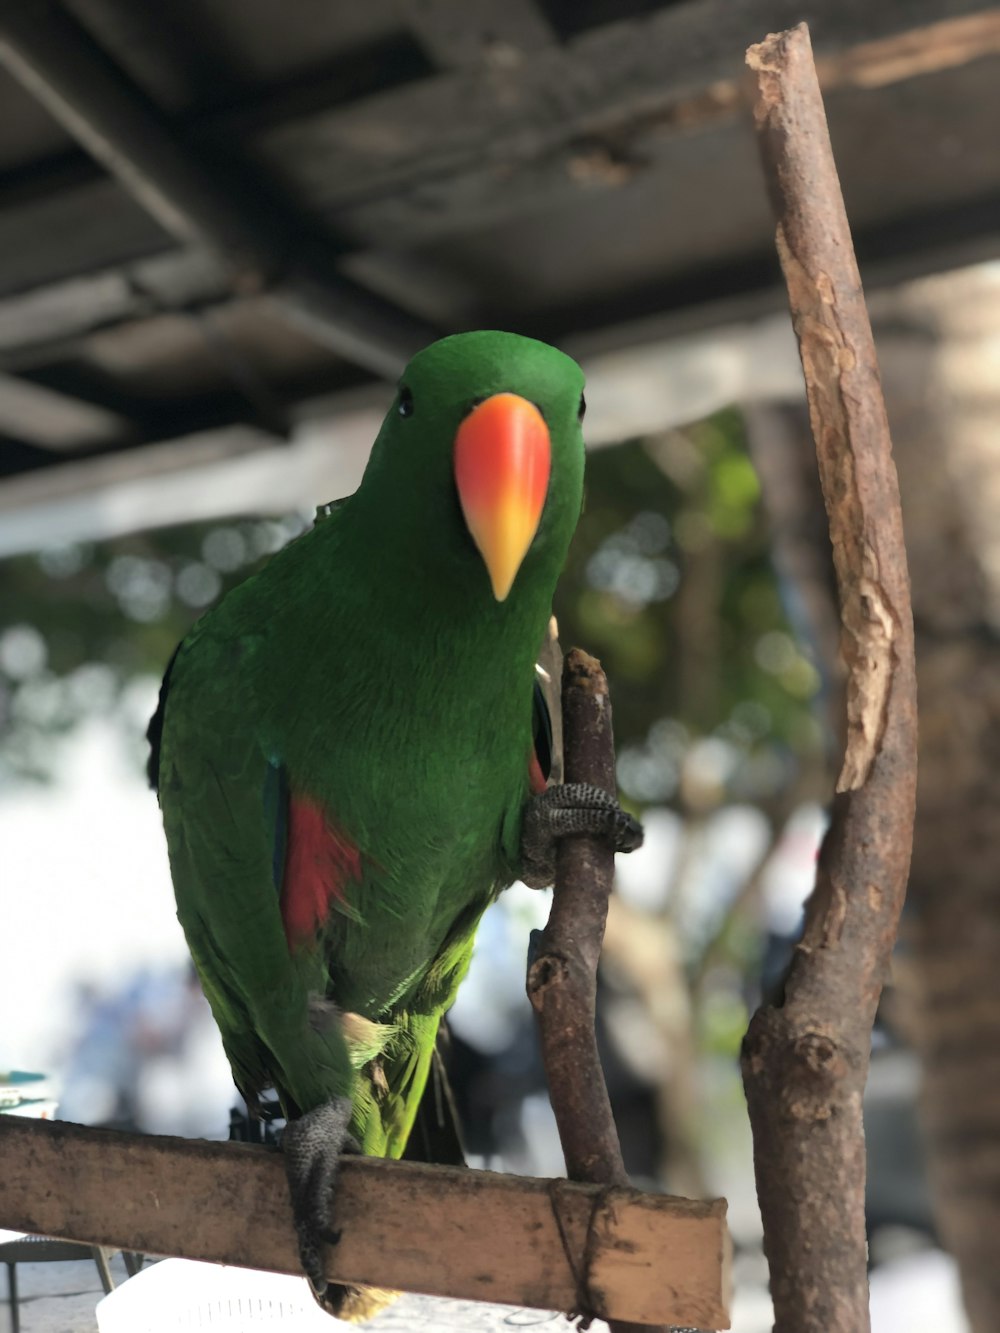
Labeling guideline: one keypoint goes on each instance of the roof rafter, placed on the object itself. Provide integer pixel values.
(437, 134)
(57, 61)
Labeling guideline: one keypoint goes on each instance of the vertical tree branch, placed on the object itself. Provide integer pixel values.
(805, 1062)
(562, 972)
(562, 976)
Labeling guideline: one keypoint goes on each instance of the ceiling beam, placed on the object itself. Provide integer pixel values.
(652, 73)
(444, 154)
(213, 474)
(40, 414)
(750, 287)
(474, 33)
(47, 321)
(382, 195)
(46, 325)
(245, 398)
(60, 64)
(636, 391)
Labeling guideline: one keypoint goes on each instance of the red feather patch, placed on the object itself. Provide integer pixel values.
(319, 865)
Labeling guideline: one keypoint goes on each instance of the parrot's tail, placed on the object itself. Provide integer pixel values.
(355, 1305)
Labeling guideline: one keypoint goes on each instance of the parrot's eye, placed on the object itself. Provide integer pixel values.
(581, 411)
(405, 408)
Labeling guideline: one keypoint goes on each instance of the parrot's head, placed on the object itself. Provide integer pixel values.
(477, 472)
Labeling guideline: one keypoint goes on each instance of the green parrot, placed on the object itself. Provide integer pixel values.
(350, 755)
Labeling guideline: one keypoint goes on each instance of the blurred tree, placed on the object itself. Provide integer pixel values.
(937, 343)
(83, 623)
(671, 583)
(938, 346)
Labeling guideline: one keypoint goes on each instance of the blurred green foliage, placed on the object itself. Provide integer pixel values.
(84, 625)
(668, 581)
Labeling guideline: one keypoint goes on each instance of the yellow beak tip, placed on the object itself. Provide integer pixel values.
(501, 587)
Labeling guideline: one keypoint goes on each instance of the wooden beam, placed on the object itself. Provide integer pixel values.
(907, 55)
(439, 1230)
(60, 234)
(48, 322)
(497, 143)
(748, 288)
(48, 52)
(478, 33)
(465, 138)
(446, 134)
(58, 421)
(41, 322)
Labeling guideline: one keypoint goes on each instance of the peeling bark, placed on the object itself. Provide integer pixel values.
(805, 1061)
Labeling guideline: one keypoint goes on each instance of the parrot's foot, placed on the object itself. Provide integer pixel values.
(566, 810)
(312, 1145)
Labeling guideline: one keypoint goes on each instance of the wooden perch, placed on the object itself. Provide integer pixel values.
(805, 1062)
(562, 972)
(446, 1231)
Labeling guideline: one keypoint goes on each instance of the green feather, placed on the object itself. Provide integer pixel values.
(370, 663)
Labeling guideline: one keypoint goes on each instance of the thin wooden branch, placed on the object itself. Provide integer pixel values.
(440, 1230)
(805, 1063)
(562, 976)
(562, 972)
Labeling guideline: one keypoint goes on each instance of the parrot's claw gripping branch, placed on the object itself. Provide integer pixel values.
(311, 1145)
(571, 809)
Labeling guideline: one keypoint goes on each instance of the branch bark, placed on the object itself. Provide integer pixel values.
(805, 1062)
(562, 976)
(562, 973)
(446, 1231)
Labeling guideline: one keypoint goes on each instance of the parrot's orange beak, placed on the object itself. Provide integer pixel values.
(502, 460)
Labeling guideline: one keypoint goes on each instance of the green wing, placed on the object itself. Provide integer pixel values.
(214, 786)
(225, 819)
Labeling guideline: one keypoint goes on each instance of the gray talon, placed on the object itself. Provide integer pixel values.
(312, 1145)
(566, 810)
